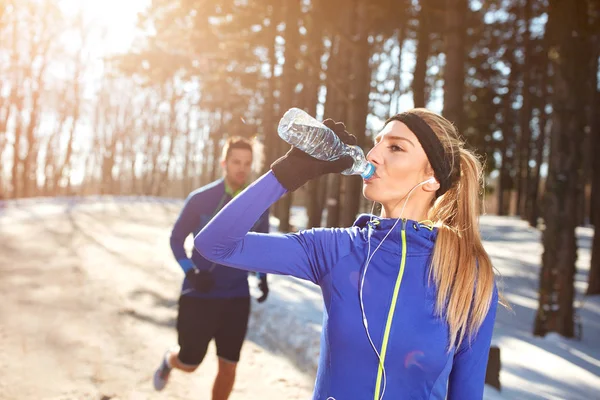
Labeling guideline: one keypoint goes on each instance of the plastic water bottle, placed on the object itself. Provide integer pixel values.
(305, 133)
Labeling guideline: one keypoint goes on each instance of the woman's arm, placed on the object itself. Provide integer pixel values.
(308, 255)
(467, 378)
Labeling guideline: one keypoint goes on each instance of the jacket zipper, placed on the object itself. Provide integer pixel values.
(390, 317)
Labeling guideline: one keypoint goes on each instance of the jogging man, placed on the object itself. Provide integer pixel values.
(215, 299)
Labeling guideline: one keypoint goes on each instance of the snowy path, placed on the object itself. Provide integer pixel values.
(89, 297)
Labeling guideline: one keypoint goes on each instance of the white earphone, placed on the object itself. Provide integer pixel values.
(364, 274)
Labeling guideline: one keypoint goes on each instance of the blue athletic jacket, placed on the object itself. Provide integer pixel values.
(399, 302)
(200, 206)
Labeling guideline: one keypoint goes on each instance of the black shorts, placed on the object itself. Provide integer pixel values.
(200, 320)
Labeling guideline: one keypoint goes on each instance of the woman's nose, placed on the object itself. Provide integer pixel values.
(373, 155)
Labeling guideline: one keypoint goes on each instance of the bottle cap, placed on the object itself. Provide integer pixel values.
(368, 172)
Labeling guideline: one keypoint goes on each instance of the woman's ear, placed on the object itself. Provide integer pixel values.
(431, 185)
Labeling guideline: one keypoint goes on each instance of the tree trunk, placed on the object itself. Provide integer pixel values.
(397, 91)
(505, 182)
(17, 161)
(595, 195)
(455, 50)
(217, 135)
(2, 147)
(333, 200)
(206, 158)
(594, 115)
(335, 108)
(503, 179)
(314, 206)
(542, 100)
(525, 116)
(336, 66)
(534, 186)
(557, 292)
(64, 171)
(359, 107)
(423, 49)
(132, 169)
(15, 102)
(190, 149)
(216, 156)
(312, 85)
(323, 190)
(271, 139)
(289, 81)
(30, 161)
(175, 132)
(594, 276)
(108, 162)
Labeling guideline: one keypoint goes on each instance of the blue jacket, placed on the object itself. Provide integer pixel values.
(200, 206)
(399, 302)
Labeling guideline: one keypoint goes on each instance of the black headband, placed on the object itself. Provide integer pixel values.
(439, 160)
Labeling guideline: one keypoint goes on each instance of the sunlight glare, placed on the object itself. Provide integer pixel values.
(114, 21)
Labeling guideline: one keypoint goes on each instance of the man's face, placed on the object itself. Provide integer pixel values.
(238, 166)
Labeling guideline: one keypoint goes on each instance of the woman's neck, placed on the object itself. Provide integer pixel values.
(415, 210)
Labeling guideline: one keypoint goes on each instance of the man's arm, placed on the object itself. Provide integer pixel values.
(263, 285)
(188, 220)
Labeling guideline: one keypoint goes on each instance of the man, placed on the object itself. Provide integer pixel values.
(215, 299)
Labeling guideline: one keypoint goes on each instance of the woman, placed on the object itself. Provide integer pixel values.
(410, 298)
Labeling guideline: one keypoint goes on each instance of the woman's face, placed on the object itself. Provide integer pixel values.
(401, 164)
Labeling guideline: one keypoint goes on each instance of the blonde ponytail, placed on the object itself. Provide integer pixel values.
(461, 269)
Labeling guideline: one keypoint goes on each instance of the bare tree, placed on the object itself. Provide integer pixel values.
(422, 53)
(174, 132)
(289, 82)
(557, 292)
(524, 171)
(594, 121)
(455, 50)
(63, 173)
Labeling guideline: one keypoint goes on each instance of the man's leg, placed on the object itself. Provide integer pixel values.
(225, 379)
(229, 340)
(196, 326)
(175, 362)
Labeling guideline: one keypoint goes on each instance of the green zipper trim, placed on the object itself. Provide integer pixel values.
(390, 317)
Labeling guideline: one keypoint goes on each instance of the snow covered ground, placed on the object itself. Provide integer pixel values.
(89, 304)
(541, 368)
(532, 368)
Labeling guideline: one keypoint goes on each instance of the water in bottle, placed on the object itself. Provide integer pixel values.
(305, 133)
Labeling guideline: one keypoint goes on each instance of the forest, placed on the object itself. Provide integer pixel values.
(519, 78)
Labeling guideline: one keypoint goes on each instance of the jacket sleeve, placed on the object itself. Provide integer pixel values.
(188, 220)
(467, 378)
(307, 255)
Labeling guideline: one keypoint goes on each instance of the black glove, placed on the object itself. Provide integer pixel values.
(296, 167)
(264, 288)
(201, 280)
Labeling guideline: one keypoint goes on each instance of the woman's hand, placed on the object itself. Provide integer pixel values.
(296, 167)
